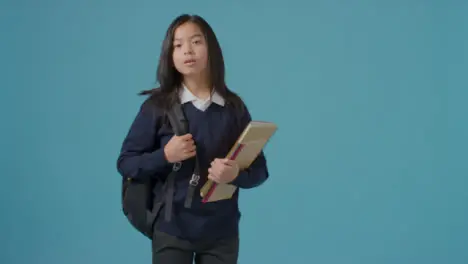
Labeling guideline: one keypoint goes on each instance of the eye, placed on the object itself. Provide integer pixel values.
(197, 41)
(177, 45)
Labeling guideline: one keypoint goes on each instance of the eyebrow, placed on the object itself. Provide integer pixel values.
(193, 36)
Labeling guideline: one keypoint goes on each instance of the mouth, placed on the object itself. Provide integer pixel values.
(189, 61)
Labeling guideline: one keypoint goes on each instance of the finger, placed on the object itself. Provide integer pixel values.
(187, 144)
(220, 162)
(228, 162)
(191, 148)
(217, 170)
(211, 177)
(217, 164)
(188, 151)
(212, 170)
(190, 143)
(221, 165)
(189, 154)
(214, 178)
(186, 137)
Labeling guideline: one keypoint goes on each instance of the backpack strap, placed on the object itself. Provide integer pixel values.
(179, 125)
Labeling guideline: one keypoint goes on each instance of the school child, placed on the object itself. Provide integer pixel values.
(191, 72)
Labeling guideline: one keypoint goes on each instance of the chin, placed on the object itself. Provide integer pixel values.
(191, 72)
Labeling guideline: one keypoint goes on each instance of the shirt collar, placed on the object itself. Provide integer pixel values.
(186, 95)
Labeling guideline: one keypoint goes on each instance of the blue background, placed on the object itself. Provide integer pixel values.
(367, 166)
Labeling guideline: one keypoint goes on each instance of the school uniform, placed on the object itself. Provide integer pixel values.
(210, 229)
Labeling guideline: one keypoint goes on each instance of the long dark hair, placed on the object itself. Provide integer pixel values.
(170, 79)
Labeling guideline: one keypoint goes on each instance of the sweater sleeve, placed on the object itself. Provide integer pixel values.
(257, 173)
(141, 156)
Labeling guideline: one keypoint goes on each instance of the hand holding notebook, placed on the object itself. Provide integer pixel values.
(223, 170)
(246, 149)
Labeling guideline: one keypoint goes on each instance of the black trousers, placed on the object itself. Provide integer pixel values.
(172, 250)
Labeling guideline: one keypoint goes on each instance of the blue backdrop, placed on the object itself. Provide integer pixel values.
(367, 166)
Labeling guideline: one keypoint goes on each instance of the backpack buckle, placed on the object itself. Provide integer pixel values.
(177, 166)
(195, 179)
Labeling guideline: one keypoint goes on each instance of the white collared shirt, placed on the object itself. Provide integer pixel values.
(202, 104)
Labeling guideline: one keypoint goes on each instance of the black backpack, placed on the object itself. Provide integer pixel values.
(142, 200)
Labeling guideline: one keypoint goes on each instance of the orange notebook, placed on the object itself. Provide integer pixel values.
(246, 149)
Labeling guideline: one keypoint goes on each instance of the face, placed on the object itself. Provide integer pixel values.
(190, 53)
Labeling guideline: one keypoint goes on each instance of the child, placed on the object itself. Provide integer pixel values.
(191, 72)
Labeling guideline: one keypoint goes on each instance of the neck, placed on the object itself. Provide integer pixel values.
(199, 86)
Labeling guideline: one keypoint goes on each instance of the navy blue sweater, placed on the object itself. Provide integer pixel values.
(214, 130)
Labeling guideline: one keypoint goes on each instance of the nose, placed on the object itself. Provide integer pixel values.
(188, 49)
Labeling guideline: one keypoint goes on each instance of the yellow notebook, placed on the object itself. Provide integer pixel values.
(246, 149)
